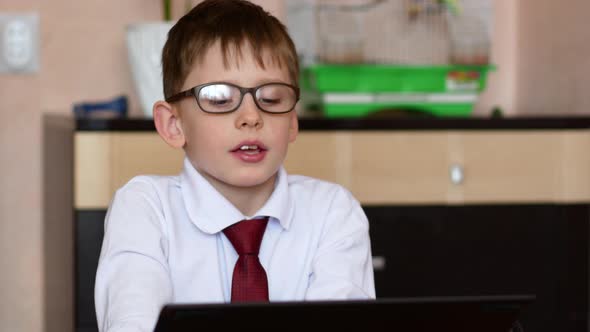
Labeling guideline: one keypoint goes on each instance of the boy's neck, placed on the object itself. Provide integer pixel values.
(247, 200)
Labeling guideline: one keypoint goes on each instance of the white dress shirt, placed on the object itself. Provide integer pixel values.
(163, 244)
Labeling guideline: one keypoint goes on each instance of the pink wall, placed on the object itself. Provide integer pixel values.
(501, 89)
(83, 57)
(553, 72)
(540, 48)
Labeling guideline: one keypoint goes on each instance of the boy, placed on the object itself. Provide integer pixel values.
(233, 226)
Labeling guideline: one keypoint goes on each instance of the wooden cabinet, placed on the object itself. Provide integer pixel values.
(460, 207)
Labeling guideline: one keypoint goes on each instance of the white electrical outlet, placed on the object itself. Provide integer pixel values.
(19, 43)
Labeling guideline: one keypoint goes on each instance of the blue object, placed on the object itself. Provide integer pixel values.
(115, 108)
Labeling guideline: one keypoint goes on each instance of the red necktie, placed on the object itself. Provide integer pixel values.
(249, 283)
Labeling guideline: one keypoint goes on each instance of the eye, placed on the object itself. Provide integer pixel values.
(269, 101)
(219, 102)
(217, 96)
(272, 94)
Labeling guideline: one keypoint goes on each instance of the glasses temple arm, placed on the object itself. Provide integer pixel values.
(179, 96)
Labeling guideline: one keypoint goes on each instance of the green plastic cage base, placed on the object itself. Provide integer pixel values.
(320, 80)
(394, 78)
(359, 110)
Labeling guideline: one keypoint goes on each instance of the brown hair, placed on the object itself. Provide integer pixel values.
(234, 23)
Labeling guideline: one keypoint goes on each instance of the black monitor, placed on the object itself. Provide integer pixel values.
(456, 314)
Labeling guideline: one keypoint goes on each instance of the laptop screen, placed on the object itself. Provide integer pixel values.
(457, 314)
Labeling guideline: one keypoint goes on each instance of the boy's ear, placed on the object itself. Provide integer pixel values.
(294, 127)
(168, 124)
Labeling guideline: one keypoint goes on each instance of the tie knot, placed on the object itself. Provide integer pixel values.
(246, 235)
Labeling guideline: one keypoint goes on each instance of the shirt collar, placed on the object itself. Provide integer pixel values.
(211, 212)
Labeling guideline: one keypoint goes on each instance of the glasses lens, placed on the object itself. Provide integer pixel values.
(276, 98)
(218, 98)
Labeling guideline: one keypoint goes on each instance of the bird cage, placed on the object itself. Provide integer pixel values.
(410, 32)
(365, 56)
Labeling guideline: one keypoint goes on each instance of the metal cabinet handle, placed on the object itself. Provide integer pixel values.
(378, 263)
(457, 174)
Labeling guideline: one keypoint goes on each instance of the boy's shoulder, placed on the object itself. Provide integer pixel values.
(305, 182)
(315, 188)
(149, 184)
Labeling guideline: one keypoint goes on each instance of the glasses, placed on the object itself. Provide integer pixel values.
(222, 97)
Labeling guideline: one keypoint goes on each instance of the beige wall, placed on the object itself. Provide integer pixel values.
(539, 47)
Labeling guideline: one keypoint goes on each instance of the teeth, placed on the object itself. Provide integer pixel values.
(249, 147)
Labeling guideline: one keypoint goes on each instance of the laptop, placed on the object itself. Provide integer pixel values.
(457, 314)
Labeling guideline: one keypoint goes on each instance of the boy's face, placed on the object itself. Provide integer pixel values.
(214, 142)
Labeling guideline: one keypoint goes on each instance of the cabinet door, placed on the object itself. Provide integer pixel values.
(89, 226)
(399, 167)
(520, 166)
(324, 155)
(449, 167)
(378, 167)
(105, 161)
(475, 250)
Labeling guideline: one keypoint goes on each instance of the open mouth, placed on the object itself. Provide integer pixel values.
(250, 151)
(250, 147)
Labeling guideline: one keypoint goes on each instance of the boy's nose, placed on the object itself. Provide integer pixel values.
(248, 114)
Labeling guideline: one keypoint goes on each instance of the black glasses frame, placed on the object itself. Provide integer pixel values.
(194, 92)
